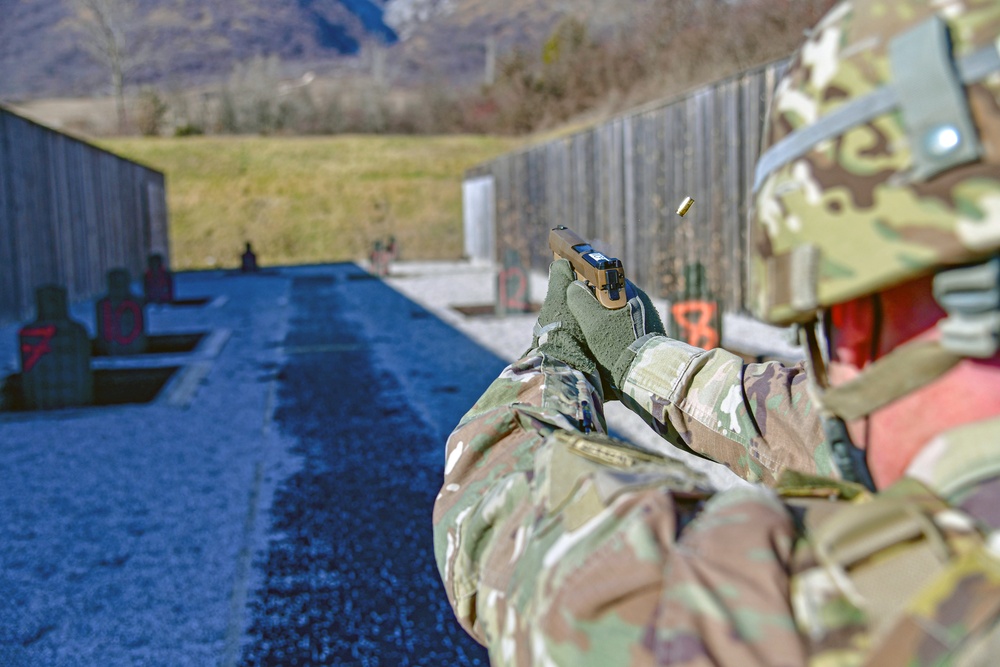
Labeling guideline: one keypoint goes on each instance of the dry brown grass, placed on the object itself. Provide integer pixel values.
(312, 199)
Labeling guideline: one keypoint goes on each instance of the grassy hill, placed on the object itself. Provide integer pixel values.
(311, 199)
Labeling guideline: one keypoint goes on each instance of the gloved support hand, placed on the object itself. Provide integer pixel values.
(609, 333)
(557, 333)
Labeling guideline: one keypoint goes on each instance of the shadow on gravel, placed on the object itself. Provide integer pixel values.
(372, 385)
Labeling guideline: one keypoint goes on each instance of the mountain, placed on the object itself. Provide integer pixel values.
(182, 43)
(43, 52)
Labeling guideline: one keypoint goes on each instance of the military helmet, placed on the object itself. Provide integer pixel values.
(880, 160)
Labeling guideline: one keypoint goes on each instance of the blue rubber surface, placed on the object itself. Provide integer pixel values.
(350, 576)
(279, 515)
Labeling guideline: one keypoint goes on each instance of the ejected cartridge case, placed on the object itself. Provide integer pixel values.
(685, 205)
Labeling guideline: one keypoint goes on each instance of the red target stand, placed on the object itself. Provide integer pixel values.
(158, 282)
(382, 254)
(513, 287)
(55, 356)
(121, 323)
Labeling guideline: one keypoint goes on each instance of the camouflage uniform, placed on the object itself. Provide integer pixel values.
(563, 547)
(560, 548)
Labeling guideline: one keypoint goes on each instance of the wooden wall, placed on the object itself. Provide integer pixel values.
(619, 184)
(69, 212)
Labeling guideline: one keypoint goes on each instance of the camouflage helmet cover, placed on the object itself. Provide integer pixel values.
(881, 154)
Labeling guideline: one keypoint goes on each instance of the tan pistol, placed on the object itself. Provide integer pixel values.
(605, 276)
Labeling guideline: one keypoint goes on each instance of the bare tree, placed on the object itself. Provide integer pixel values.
(109, 29)
(252, 99)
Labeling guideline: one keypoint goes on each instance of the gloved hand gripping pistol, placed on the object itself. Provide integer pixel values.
(605, 276)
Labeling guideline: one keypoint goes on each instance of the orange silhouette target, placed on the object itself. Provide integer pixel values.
(695, 319)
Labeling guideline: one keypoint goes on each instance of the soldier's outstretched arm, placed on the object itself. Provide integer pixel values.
(756, 419)
(560, 546)
(491, 457)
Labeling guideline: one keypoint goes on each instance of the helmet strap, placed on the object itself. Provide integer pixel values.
(971, 297)
(902, 371)
(850, 460)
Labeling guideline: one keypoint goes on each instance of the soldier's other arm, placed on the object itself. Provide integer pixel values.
(490, 466)
(756, 419)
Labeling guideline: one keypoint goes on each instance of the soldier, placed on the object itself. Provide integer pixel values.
(869, 537)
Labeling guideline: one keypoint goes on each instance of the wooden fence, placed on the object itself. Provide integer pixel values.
(620, 184)
(69, 212)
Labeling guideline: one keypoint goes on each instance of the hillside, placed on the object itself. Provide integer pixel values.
(317, 199)
(181, 43)
(451, 38)
(177, 42)
(382, 66)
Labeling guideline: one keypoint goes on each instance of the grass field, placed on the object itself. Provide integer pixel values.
(311, 199)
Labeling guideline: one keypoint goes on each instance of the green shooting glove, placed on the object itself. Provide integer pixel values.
(557, 333)
(609, 333)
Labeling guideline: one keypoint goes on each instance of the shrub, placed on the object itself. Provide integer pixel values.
(150, 112)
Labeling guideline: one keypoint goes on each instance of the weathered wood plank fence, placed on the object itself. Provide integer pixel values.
(620, 184)
(69, 212)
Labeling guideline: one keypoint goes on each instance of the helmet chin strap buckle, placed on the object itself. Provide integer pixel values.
(848, 457)
(971, 297)
(850, 460)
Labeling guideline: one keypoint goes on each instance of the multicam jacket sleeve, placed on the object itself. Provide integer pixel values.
(756, 419)
(559, 547)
